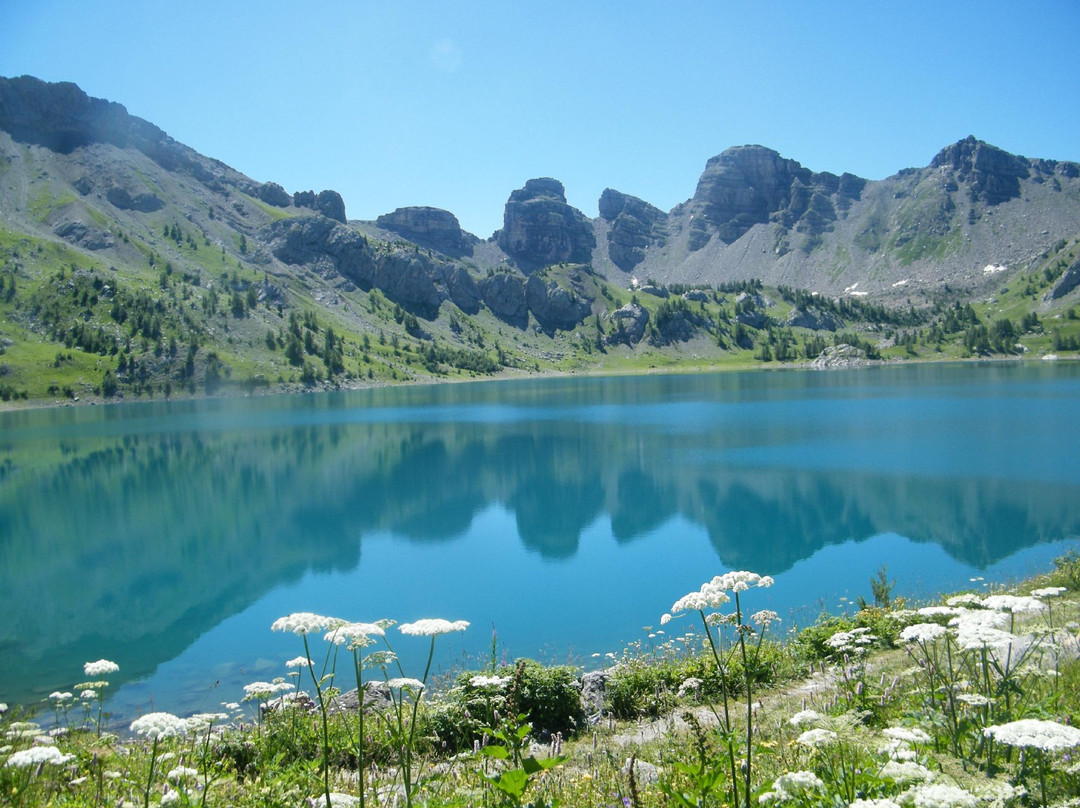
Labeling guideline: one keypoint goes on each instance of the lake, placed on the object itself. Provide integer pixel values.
(564, 514)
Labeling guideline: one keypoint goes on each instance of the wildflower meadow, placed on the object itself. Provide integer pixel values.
(971, 701)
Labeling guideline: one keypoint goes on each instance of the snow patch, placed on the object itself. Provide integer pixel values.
(994, 269)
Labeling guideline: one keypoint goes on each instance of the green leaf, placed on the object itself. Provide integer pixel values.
(512, 782)
(497, 752)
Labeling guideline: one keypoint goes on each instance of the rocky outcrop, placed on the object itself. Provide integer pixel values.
(629, 323)
(634, 226)
(273, 194)
(749, 185)
(991, 174)
(813, 319)
(840, 356)
(144, 202)
(82, 235)
(1067, 282)
(540, 228)
(429, 227)
(555, 308)
(504, 294)
(328, 203)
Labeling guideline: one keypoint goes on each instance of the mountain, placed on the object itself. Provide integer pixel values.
(131, 265)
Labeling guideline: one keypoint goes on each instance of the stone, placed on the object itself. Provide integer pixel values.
(273, 194)
(429, 227)
(992, 174)
(840, 356)
(82, 235)
(593, 693)
(752, 318)
(1069, 280)
(540, 228)
(331, 205)
(144, 202)
(696, 296)
(376, 697)
(554, 308)
(630, 322)
(304, 199)
(634, 226)
(504, 294)
(655, 291)
(813, 319)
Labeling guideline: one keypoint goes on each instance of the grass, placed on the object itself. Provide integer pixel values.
(850, 708)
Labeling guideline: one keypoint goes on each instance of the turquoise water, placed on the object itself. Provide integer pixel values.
(564, 514)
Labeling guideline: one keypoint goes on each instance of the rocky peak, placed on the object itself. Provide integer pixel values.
(429, 227)
(993, 174)
(540, 228)
(634, 226)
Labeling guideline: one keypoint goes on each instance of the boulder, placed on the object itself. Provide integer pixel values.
(840, 356)
(144, 202)
(331, 205)
(82, 235)
(813, 319)
(1067, 282)
(376, 697)
(593, 693)
(540, 228)
(696, 296)
(630, 322)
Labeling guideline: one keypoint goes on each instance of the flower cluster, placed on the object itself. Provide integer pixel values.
(305, 623)
(489, 681)
(37, 755)
(714, 594)
(1049, 736)
(922, 632)
(100, 668)
(432, 626)
(787, 787)
(159, 725)
(355, 635)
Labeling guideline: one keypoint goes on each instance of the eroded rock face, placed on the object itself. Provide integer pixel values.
(82, 235)
(328, 203)
(813, 319)
(748, 185)
(504, 294)
(540, 228)
(553, 307)
(629, 322)
(273, 194)
(1067, 282)
(429, 227)
(992, 174)
(144, 202)
(635, 225)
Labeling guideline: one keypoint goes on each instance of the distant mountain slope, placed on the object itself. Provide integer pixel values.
(132, 265)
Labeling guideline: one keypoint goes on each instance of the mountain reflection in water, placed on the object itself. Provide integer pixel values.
(130, 532)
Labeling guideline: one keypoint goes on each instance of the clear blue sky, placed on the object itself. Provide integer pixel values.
(455, 104)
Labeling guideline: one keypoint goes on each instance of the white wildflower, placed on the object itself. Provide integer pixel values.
(404, 682)
(355, 635)
(338, 799)
(1049, 592)
(939, 611)
(765, 618)
(432, 626)
(939, 795)
(966, 599)
(974, 699)
(665, 618)
(489, 681)
(906, 734)
(1016, 604)
(60, 697)
(978, 617)
(88, 694)
(3, 708)
(690, 685)
(922, 632)
(100, 668)
(817, 737)
(906, 771)
(1049, 736)
(182, 773)
(37, 755)
(264, 690)
(298, 662)
(788, 786)
(880, 802)
(804, 717)
(159, 725)
(201, 722)
(170, 798)
(305, 623)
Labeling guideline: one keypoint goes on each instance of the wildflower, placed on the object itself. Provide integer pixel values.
(355, 635)
(3, 708)
(100, 668)
(297, 662)
(432, 626)
(974, 699)
(88, 694)
(1049, 736)
(787, 786)
(881, 802)
(59, 697)
(305, 623)
(489, 681)
(906, 734)
(201, 722)
(404, 682)
(713, 594)
(264, 690)
(665, 618)
(36, 755)
(816, 737)
(804, 717)
(159, 725)
(906, 771)
(966, 599)
(1049, 592)
(765, 618)
(182, 773)
(690, 685)
(939, 611)
(940, 795)
(922, 632)
(1016, 604)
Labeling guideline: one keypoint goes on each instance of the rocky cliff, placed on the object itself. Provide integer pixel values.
(540, 228)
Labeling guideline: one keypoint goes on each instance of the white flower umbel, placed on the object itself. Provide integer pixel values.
(305, 623)
(906, 771)
(59, 697)
(939, 795)
(37, 755)
(1049, 592)
(817, 737)
(906, 734)
(787, 787)
(489, 681)
(765, 618)
(432, 627)
(159, 725)
(1049, 736)
(922, 632)
(966, 599)
(804, 717)
(355, 635)
(880, 802)
(100, 668)
(1016, 604)
(405, 683)
(297, 662)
